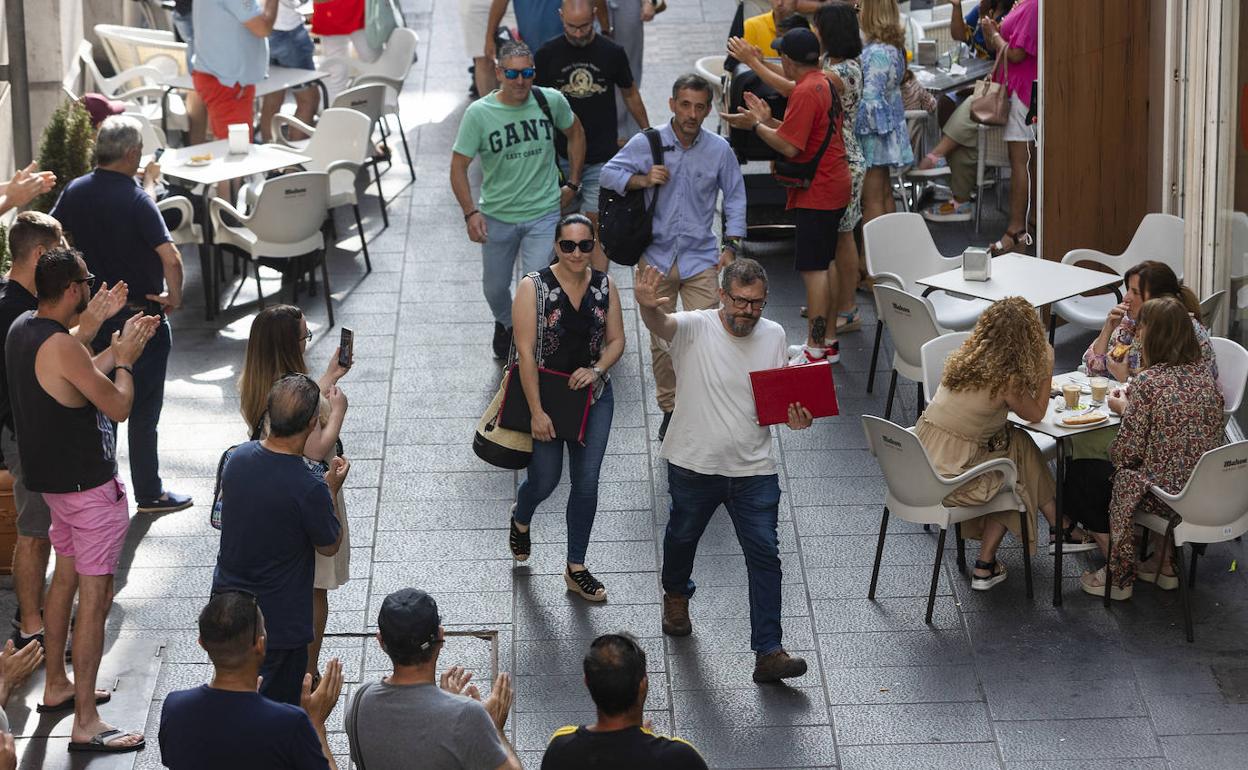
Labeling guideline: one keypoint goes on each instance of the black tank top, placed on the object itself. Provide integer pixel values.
(574, 336)
(63, 449)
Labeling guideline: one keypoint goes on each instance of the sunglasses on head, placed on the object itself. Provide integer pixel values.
(586, 246)
(527, 73)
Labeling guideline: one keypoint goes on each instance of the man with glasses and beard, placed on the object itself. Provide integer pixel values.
(513, 131)
(587, 68)
(63, 401)
(227, 723)
(277, 510)
(718, 454)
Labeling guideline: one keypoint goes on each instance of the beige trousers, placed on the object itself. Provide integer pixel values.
(697, 292)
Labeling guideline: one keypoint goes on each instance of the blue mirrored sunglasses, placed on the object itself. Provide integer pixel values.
(527, 73)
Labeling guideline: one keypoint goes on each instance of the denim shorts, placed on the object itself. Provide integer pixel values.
(585, 201)
(291, 48)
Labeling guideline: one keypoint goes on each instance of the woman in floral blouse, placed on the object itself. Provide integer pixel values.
(881, 120)
(1116, 351)
(582, 334)
(1174, 415)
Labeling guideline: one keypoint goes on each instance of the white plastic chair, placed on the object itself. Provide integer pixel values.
(371, 100)
(284, 224)
(1212, 307)
(1232, 361)
(712, 69)
(991, 157)
(186, 231)
(1212, 508)
(339, 145)
(1159, 237)
(911, 323)
(390, 69)
(899, 250)
(916, 493)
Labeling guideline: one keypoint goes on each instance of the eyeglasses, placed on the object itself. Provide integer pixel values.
(527, 73)
(307, 336)
(88, 279)
(255, 608)
(586, 246)
(741, 303)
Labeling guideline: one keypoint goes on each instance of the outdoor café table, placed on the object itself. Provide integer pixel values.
(1039, 281)
(279, 79)
(1051, 425)
(224, 167)
(939, 80)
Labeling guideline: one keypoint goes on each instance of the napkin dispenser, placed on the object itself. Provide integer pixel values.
(239, 138)
(926, 53)
(976, 264)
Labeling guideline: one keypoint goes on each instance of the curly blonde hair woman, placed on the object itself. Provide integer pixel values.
(1005, 365)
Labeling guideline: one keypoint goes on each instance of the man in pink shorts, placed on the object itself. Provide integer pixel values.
(63, 400)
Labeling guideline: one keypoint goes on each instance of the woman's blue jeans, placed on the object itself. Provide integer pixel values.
(585, 462)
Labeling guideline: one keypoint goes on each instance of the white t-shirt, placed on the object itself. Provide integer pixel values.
(288, 16)
(714, 428)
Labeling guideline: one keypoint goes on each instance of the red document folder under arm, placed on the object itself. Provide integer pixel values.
(809, 385)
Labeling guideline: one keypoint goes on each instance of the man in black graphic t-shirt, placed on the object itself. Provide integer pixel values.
(615, 673)
(587, 68)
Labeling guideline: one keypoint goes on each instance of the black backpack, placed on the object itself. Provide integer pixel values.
(625, 222)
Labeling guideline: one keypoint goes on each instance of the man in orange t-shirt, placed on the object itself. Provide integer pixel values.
(811, 118)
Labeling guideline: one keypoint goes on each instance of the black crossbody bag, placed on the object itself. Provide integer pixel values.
(801, 175)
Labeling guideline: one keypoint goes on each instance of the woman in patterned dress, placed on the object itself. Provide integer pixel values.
(1172, 417)
(582, 334)
(881, 120)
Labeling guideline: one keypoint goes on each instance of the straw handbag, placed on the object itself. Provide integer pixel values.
(990, 103)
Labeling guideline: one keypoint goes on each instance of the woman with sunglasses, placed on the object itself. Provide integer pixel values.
(583, 335)
(276, 346)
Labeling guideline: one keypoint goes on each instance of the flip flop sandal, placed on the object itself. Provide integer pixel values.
(660, 7)
(100, 745)
(852, 321)
(68, 703)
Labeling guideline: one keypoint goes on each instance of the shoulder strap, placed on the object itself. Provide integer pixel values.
(656, 153)
(353, 736)
(827, 137)
(541, 102)
(256, 431)
(539, 287)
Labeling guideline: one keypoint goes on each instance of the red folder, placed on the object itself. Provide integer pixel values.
(809, 385)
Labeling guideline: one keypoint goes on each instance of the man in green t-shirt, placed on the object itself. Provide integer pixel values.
(512, 133)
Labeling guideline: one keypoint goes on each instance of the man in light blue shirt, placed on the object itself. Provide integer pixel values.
(231, 57)
(697, 166)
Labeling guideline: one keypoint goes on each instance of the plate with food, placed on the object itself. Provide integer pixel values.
(199, 160)
(1081, 418)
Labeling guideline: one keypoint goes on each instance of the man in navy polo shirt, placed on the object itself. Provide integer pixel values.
(115, 224)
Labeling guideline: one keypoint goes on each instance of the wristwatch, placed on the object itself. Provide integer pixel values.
(573, 186)
(732, 243)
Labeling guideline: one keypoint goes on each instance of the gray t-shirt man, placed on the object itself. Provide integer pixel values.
(388, 725)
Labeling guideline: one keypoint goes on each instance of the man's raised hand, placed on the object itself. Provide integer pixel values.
(646, 288)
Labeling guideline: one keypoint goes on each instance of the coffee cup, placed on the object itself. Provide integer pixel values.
(1100, 386)
(1070, 392)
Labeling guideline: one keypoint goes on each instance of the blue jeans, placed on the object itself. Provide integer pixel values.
(533, 240)
(584, 463)
(149, 398)
(585, 201)
(753, 504)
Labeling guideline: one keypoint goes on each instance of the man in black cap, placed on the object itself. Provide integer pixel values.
(817, 175)
(407, 715)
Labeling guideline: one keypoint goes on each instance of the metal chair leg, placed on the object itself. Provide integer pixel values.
(1052, 325)
(1109, 561)
(1022, 520)
(931, 593)
(385, 217)
(403, 135)
(1184, 589)
(922, 404)
(892, 390)
(1191, 578)
(879, 554)
(329, 300)
(957, 531)
(259, 289)
(875, 355)
(359, 226)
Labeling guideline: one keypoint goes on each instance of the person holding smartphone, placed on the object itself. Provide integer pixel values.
(279, 338)
(582, 335)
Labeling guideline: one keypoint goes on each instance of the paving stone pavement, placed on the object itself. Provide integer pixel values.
(996, 681)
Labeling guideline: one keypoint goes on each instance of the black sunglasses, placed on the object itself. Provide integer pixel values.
(586, 246)
(255, 608)
(88, 279)
(527, 73)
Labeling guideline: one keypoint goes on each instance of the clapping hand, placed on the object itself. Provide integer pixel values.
(339, 467)
(800, 417)
(456, 680)
(646, 288)
(498, 705)
(319, 703)
(106, 303)
(128, 343)
(16, 665)
(28, 183)
(744, 52)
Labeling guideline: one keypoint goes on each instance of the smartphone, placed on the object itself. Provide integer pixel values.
(156, 155)
(346, 348)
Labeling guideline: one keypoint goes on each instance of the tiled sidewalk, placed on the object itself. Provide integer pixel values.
(995, 681)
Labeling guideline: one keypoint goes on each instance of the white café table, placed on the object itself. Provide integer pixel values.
(1039, 281)
(1050, 425)
(224, 167)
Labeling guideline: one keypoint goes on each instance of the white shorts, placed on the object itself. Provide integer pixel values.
(1016, 128)
(473, 16)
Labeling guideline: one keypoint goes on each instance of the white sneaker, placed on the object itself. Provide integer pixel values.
(800, 355)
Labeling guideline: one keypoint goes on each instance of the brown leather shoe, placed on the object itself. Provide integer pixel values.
(776, 666)
(676, 615)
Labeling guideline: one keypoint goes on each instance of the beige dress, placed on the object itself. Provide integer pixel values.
(961, 429)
